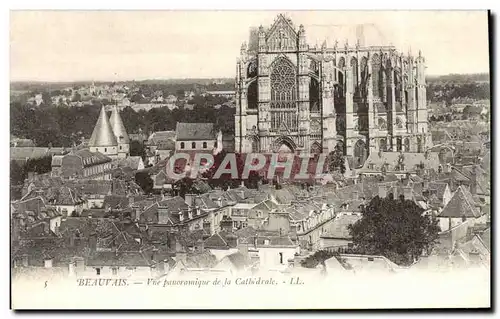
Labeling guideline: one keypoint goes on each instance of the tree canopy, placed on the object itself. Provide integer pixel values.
(394, 228)
(336, 160)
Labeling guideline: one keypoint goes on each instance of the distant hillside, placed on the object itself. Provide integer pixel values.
(460, 78)
(453, 87)
(44, 86)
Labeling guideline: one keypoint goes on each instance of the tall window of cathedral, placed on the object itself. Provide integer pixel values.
(399, 144)
(383, 145)
(334, 63)
(314, 95)
(341, 77)
(255, 145)
(386, 91)
(354, 67)
(252, 70)
(419, 145)
(360, 153)
(376, 68)
(397, 85)
(252, 95)
(316, 148)
(283, 94)
(407, 144)
(364, 76)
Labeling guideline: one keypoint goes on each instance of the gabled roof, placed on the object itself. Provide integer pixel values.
(221, 240)
(194, 131)
(161, 137)
(103, 135)
(461, 205)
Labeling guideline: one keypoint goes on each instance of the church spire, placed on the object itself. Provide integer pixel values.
(103, 133)
(118, 127)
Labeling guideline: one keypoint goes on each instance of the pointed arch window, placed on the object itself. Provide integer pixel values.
(283, 85)
(376, 67)
(283, 95)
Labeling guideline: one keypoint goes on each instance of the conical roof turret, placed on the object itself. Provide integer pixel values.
(103, 133)
(118, 127)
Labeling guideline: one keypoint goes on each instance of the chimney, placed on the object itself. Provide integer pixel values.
(207, 227)
(219, 201)
(382, 190)
(408, 193)
(189, 199)
(198, 210)
(46, 228)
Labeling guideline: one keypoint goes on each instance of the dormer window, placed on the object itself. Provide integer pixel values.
(266, 242)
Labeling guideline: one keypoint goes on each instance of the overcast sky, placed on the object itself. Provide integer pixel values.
(126, 45)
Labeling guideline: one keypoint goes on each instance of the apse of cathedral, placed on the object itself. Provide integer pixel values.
(297, 98)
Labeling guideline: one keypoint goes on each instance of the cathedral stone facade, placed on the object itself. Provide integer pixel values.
(295, 98)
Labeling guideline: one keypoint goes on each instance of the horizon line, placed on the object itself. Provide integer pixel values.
(190, 78)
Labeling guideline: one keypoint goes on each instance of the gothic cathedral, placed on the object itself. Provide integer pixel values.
(295, 98)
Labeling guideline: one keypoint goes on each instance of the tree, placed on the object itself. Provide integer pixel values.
(336, 161)
(40, 165)
(137, 149)
(394, 228)
(77, 97)
(144, 181)
(179, 93)
(17, 176)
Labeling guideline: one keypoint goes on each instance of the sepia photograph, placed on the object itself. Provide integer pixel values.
(291, 160)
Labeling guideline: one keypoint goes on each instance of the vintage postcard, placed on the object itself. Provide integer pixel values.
(250, 159)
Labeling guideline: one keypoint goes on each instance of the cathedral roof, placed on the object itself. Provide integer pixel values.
(367, 34)
(118, 127)
(331, 35)
(103, 133)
